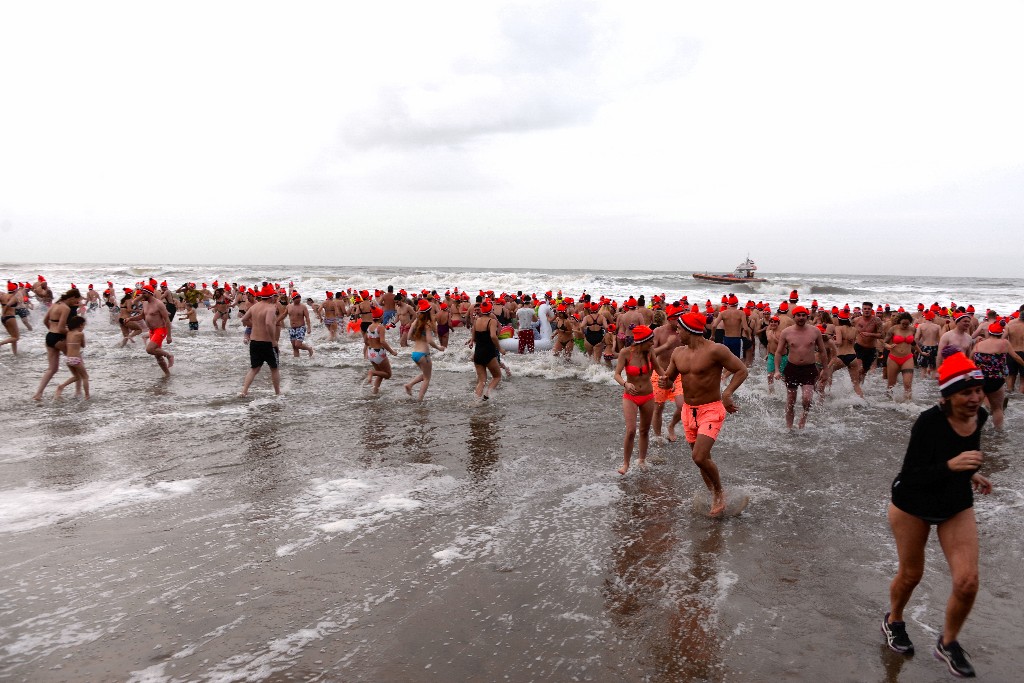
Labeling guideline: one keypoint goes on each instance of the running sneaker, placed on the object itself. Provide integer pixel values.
(896, 636)
(955, 658)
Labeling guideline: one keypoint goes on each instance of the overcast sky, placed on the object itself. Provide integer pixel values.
(838, 137)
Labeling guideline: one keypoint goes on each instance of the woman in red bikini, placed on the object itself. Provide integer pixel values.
(638, 398)
(901, 345)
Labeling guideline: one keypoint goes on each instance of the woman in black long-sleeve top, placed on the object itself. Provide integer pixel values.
(935, 486)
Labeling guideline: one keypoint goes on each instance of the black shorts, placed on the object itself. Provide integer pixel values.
(926, 359)
(261, 352)
(867, 354)
(364, 325)
(799, 375)
(1015, 367)
(847, 358)
(593, 337)
(991, 386)
(171, 310)
(52, 339)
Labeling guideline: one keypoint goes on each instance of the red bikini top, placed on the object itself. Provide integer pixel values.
(900, 339)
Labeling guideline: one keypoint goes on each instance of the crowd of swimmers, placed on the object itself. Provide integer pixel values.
(676, 353)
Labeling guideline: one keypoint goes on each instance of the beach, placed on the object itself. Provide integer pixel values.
(168, 530)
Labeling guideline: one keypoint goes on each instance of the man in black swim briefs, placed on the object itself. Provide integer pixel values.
(800, 342)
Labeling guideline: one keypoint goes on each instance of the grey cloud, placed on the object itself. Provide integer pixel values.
(547, 71)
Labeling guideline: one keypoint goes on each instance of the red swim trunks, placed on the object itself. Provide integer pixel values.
(705, 419)
(158, 335)
(666, 395)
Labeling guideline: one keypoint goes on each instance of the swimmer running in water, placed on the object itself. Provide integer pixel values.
(700, 362)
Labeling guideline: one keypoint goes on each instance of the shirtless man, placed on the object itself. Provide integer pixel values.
(406, 314)
(92, 299)
(869, 331)
(262, 317)
(43, 292)
(774, 360)
(1015, 335)
(154, 312)
(442, 318)
(666, 341)
(298, 318)
(845, 354)
(734, 324)
(927, 337)
(800, 343)
(959, 336)
(981, 331)
(387, 302)
(700, 363)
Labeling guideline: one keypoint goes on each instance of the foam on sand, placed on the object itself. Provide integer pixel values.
(30, 507)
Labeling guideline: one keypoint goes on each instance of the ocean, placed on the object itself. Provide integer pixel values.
(168, 530)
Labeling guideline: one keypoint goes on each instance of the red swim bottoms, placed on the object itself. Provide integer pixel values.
(666, 395)
(158, 335)
(705, 419)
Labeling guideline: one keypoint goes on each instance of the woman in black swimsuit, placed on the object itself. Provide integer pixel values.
(56, 322)
(485, 350)
(9, 315)
(934, 487)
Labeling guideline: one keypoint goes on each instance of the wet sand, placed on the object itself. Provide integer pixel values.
(168, 531)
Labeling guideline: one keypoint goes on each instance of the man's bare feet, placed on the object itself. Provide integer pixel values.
(408, 389)
(672, 435)
(623, 469)
(311, 353)
(56, 394)
(717, 504)
(170, 360)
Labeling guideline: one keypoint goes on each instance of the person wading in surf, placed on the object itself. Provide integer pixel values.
(700, 363)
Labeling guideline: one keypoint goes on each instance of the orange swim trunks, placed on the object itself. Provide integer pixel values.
(666, 395)
(158, 335)
(705, 419)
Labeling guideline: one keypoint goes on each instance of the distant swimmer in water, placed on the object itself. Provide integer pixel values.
(700, 362)
(934, 487)
(73, 345)
(637, 361)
